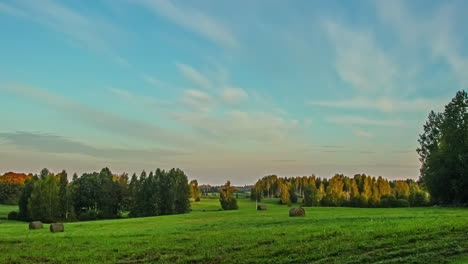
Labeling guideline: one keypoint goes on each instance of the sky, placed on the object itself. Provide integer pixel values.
(225, 90)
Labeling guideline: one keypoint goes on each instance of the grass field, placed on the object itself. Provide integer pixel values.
(206, 235)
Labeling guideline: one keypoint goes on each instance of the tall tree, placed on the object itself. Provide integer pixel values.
(194, 190)
(443, 152)
(182, 192)
(64, 203)
(226, 197)
(284, 192)
(43, 204)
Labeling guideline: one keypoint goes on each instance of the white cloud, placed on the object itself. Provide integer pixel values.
(359, 120)
(87, 31)
(192, 19)
(244, 128)
(434, 30)
(139, 99)
(361, 133)
(233, 95)
(152, 80)
(359, 61)
(193, 76)
(50, 143)
(198, 100)
(383, 104)
(10, 10)
(101, 119)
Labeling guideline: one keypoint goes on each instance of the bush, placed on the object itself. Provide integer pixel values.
(293, 197)
(229, 204)
(13, 215)
(388, 201)
(420, 198)
(402, 203)
(89, 215)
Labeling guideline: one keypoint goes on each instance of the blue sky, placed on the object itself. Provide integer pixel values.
(225, 89)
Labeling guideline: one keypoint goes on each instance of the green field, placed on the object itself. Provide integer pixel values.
(206, 235)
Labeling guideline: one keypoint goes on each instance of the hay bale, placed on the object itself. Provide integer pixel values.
(297, 211)
(35, 225)
(261, 207)
(56, 227)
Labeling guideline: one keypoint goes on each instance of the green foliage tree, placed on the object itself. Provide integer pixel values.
(226, 197)
(43, 204)
(443, 152)
(284, 193)
(256, 192)
(292, 193)
(64, 203)
(311, 195)
(194, 191)
(182, 192)
(24, 198)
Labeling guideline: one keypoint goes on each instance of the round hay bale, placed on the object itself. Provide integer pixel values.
(56, 227)
(35, 225)
(296, 212)
(261, 207)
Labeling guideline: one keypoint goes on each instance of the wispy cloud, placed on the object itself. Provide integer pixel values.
(233, 95)
(435, 31)
(85, 30)
(382, 104)
(359, 120)
(100, 119)
(11, 10)
(361, 133)
(139, 99)
(198, 100)
(243, 127)
(192, 19)
(193, 76)
(152, 80)
(50, 143)
(359, 61)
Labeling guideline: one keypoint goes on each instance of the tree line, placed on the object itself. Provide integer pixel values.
(50, 197)
(358, 191)
(11, 184)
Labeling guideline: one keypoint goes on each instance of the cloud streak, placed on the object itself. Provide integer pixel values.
(43, 142)
(193, 76)
(193, 20)
(359, 61)
(382, 104)
(359, 120)
(99, 119)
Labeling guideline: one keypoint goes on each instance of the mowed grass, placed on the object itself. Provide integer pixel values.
(5, 209)
(206, 235)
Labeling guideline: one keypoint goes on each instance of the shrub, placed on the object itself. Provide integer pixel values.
(419, 198)
(388, 201)
(89, 215)
(402, 203)
(13, 215)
